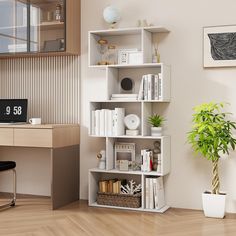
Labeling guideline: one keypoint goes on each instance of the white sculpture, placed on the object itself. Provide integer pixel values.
(131, 188)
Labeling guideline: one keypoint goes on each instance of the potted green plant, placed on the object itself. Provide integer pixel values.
(211, 136)
(156, 122)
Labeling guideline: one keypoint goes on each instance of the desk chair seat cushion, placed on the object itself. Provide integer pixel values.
(7, 165)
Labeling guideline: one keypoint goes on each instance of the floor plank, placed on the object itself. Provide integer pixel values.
(33, 217)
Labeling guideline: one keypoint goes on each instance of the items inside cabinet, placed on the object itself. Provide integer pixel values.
(39, 27)
(47, 25)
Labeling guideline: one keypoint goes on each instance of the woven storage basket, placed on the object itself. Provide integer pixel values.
(121, 200)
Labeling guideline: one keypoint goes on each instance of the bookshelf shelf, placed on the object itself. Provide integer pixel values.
(132, 101)
(143, 40)
(162, 210)
(129, 66)
(132, 137)
(130, 31)
(129, 172)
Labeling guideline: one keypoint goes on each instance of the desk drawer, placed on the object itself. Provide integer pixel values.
(6, 137)
(33, 137)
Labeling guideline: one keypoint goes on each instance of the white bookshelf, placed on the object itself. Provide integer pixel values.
(142, 39)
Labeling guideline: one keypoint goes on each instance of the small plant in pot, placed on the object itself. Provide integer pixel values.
(211, 136)
(156, 122)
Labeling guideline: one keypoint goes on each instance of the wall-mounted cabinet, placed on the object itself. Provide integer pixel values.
(39, 27)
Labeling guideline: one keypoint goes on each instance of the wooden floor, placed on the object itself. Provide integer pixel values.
(33, 217)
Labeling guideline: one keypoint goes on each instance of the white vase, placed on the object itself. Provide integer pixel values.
(156, 131)
(214, 204)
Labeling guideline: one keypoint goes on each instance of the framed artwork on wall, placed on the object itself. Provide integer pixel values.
(219, 46)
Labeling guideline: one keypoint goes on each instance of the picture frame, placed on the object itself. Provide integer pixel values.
(124, 154)
(123, 55)
(219, 46)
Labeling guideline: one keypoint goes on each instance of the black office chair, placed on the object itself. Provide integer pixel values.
(9, 166)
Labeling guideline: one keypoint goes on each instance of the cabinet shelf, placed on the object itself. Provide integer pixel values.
(51, 25)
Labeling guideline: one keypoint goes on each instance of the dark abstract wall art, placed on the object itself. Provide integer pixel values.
(223, 46)
(219, 46)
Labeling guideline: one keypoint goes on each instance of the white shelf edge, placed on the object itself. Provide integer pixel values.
(128, 101)
(162, 210)
(134, 137)
(130, 31)
(131, 66)
(130, 172)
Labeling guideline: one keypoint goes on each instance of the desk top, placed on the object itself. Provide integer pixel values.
(47, 136)
(42, 126)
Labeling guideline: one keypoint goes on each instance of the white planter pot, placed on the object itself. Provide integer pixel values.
(214, 204)
(156, 131)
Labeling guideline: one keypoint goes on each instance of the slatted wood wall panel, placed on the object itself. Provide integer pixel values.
(51, 85)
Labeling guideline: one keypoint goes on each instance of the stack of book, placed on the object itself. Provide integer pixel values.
(151, 87)
(125, 97)
(111, 186)
(107, 122)
(147, 161)
(154, 193)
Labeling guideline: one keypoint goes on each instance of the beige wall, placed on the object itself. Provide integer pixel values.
(191, 85)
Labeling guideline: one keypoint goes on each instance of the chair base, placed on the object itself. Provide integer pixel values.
(12, 203)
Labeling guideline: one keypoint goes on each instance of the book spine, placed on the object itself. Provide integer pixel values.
(160, 193)
(114, 122)
(148, 162)
(120, 115)
(151, 194)
(159, 163)
(145, 160)
(155, 193)
(145, 88)
(109, 131)
(102, 122)
(156, 87)
(93, 123)
(147, 186)
(160, 89)
(149, 87)
(106, 123)
(97, 122)
(141, 89)
(142, 158)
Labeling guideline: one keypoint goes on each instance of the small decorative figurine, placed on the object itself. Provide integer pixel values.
(101, 156)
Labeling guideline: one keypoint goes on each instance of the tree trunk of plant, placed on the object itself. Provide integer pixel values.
(215, 180)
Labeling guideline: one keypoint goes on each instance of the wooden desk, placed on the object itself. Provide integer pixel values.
(63, 142)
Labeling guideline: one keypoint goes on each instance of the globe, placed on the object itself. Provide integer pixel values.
(111, 15)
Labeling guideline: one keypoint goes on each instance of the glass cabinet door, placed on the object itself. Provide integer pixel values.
(47, 27)
(13, 26)
(32, 26)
